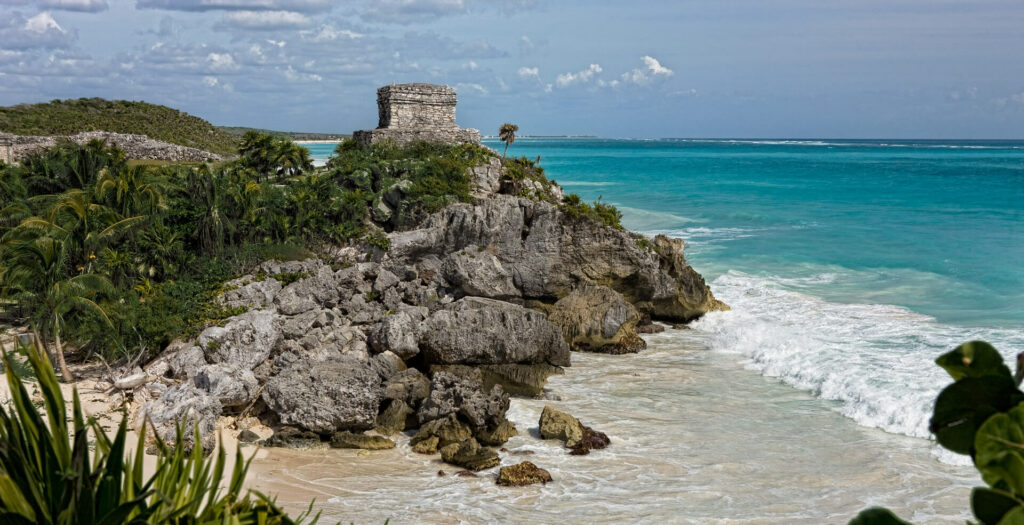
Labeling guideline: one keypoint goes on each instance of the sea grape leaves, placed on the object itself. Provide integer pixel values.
(999, 450)
(973, 359)
(1014, 517)
(877, 516)
(991, 506)
(963, 406)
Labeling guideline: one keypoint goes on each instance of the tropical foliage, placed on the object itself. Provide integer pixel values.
(980, 415)
(67, 117)
(49, 475)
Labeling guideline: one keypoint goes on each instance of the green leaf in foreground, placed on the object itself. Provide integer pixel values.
(990, 506)
(963, 406)
(999, 450)
(973, 359)
(877, 516)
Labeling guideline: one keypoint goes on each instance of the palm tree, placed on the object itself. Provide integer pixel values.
(131, 191)
(507, 133)
(202, 187)
(36, 276)
(291, 159)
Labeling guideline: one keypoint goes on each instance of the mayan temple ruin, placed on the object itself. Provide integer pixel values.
(414, 112)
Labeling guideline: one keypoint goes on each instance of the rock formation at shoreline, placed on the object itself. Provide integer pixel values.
(432, 334)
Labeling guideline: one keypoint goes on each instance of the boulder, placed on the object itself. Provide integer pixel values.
(447, 430)
(193, 407)
(486, 178)
(427, 445)
(496, 435)
(291, 437)
(596, 318)
(525, 473)
(517, 380)
(451, 394)
(317, 290)
(348, 439)
(397, 333)
(386, 365)
(233, 386)
(250, 292)
(559, 425)
(394, 418)
(591, 439)
(476, 272)
(474, 330)
(245, 341)
(248, 436)
(326, 397)
(409, 386)
(184, 362)
(470, 455)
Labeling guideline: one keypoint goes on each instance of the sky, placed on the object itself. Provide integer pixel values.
(646, 68)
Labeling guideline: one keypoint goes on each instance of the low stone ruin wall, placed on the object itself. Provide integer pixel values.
(135, 146)
(403, 137)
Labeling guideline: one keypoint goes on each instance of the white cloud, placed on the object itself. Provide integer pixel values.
(305, 6)
(210, 81)
(652, 69)
(581, 77)
(529, 72)
(328, 33)
(463, 87)
(221, 63)
(86, 6)
(40, 31)
(295, 76)
(265, 20)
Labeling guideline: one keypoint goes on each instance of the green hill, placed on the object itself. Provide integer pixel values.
(67, 117)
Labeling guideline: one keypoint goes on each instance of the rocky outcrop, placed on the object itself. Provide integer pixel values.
(245, 341)
(470, 455)
(485, 331)
(348, 439)
(597, 319)
(189, 405)
(578, 437)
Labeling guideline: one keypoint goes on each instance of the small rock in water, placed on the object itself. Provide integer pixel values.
(466, 474)
(426, 446)
(650, 329)
(348, 439)
(470, 455)
(441, 474)
(248, 436)
(592, 439)
(525, 473)
(555, 424)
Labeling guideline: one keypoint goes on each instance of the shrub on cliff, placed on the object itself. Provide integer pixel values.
(49, 476)
(599, 212)
(980, 415)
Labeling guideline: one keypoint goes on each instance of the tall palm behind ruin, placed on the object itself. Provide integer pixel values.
(507, 133)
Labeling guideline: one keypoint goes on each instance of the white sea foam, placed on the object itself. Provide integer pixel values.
(875, 360)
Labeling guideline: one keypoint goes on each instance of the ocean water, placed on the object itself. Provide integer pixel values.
(849, 266)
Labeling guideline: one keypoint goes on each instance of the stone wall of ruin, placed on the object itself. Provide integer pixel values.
(134, 146)
(417, 112)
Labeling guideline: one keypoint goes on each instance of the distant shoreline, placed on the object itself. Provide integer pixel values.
(318, 141)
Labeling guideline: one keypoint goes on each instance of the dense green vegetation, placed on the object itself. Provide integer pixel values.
(49, 475)
(238, 132)
(980, 415)
(67, 117)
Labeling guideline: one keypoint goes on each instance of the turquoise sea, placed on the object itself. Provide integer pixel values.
(849, 266)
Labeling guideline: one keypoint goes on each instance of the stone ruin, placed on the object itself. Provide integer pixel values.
(14, 148)
(6, 150)
(417, 112)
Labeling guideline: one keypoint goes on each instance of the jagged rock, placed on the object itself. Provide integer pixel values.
(394, 193)
(447, 430)
(548, 253)
(651, 328)
(595, 318)
(409, 386)
(291, 437)
(393, 419)
(426, 446)
(397, 333)
(497, 435)
(245, 341)
(525, 473)
(250, 293)
(317, 290)
(470, 455)
(188, 404)
(348, 439)
(450, 394)
(486, 178)
(326, 397)
(233, 386)
(387, 364)
(486, 331)
(477, 272)
(275, 267)
(559, 425)
(385, 280)
(186, 361)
